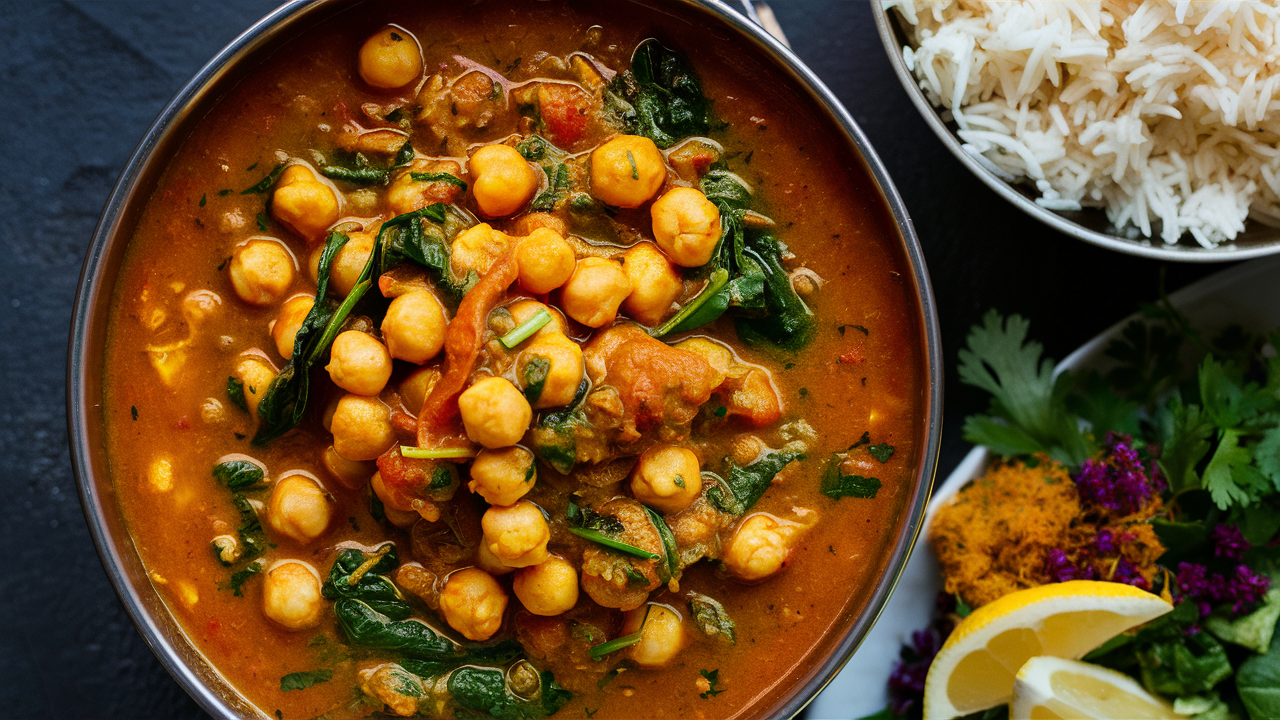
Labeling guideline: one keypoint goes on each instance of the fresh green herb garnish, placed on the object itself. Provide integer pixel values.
(133, 410)
(265, 183)
(262, 222)
(881, 451)
(357, 169)
(713, 677)
(525, 330)
(239, 577)
(602, 530)
(635, 171)
(836, 484)
(534, 377)
(599, 652)
(203, 199)
(410, 451)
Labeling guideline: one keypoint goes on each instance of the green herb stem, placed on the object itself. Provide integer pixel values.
(599, 651)
(598, 537)
(435, 453)
(525, 330)
(719, 278)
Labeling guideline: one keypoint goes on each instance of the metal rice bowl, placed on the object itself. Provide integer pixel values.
(1089, 224)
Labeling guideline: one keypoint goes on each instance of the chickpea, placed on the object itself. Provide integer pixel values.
(361, 428)
(359, 364)
(503, 476)
(389, 59)
(548, 588)
(473, 603)
(415, 388)
(288, 322)
(667, 477)
(655, 284)
(627, 171)
(494, 412)
(517, 535)
(595, 291)
(261, 272)
(686, 225)
(522, 310)
(291, 595)
(303, 203)
(502, 180)
(663, 634)
(564, 369)
(398, 517)
(759, 547)
(256, 376)
(545, 260)
(490, 563)
(476, 248)
(299, 509)
(414, 326)
(353, 475)
(349, 263)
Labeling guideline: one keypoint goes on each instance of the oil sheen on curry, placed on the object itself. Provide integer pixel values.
(513, 360)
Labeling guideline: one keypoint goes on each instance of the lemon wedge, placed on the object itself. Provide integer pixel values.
(975, 668)
(1059, 689)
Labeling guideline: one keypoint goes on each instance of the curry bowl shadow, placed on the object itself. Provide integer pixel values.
(140, 178)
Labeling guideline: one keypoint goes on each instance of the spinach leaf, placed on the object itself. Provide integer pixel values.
(439, 177)
(725, 188)
(713, 678)
(238, 474)
(555, 436)
(836, 484)
(265, 183)
(1258, 682)
(424, 237)
(251, 534)
(235, 392)
(239, 577)
(304, 680)
(362, 576)
(660, 97)
(285, 401)
(670, 565)
(486, 691)
(534, 377)
(602, 530)
(357, 169)
(881, 451)
(788, 323)
(711, 618)
(743, 486)
(368, 628)
(557, 187)
(491, 655)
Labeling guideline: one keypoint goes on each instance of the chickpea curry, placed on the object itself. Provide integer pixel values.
(508, 361)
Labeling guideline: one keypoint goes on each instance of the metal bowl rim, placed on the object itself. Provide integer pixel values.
(1157, 249)
(88, 288)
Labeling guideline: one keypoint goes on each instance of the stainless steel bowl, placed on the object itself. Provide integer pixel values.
(115, 228)
(1089, 224)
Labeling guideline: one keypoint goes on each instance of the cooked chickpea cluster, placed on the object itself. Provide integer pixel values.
(541, 346)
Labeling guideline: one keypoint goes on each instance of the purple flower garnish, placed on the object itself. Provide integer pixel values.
(1229, 542)
(1060, 568)
(1115, 481)
(1242, 590)
(1127, 573)
(1104, 544)
(906, 684)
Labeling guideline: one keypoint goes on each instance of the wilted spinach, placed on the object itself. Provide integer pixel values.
(836, 484)
(304, 680)
(368, 628)
(660, 97)
(238, 474)
(357, 169)
(743, 486)
(555, 436)
(486, 691)
(424, 237)
(711, 618)
(362, 576)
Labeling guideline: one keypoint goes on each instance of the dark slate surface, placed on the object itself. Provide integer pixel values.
(81, 82)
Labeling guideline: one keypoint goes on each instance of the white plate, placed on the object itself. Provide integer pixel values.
(1247, 294)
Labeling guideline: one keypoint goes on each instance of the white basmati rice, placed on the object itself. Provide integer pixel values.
(1160, 111)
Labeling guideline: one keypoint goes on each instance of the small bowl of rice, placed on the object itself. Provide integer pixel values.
(1151, 128)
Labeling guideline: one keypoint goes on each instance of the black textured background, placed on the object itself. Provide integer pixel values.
(80, 82)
